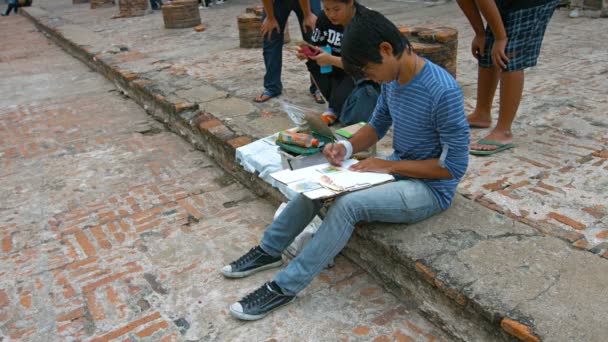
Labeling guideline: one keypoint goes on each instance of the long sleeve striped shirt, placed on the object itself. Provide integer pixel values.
(428, 121)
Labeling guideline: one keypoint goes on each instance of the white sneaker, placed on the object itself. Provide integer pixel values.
(219, 2)
(574, 13)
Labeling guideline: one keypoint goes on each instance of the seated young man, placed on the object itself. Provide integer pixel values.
(431, 138)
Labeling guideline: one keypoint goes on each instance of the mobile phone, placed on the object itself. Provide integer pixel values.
(308, 51)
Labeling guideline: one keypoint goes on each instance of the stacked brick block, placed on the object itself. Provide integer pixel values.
(132, 8)
(181, 14)
(101, 3)
(439, 44)
(250, 26)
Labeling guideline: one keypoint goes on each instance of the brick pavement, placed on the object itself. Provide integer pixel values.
(112, 228)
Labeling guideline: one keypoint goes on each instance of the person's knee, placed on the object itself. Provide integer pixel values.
(347, 207)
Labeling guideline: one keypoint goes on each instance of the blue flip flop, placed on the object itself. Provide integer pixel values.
(265, 93)
(501, 147)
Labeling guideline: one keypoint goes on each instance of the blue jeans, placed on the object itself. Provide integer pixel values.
(273, 47)
(403, 201)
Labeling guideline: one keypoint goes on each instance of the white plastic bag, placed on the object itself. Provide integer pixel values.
(296, 113)
(301, 240)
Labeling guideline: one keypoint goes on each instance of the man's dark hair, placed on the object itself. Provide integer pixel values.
(362, 38)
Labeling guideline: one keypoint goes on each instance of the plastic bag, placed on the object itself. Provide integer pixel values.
(296, 113)
(301, 240)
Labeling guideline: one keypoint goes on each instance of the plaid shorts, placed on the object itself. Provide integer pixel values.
(525, 30)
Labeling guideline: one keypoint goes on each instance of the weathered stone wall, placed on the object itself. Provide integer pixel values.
(181, 14)
(132, 8)
(101, 3)
(436, 43)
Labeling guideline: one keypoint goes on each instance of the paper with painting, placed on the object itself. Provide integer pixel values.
(325, 180)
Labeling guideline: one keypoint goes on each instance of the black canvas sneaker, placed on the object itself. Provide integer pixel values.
(260, 302)
(255, 260)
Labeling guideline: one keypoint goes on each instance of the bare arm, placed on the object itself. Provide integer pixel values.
(470, 10)
(269, 8)
(489, 11)
(310, 19)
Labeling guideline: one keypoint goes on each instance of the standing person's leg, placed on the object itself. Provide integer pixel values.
(526, 29)
(315, 7)
(488, 76)
(487, 82)
(273, 54)
(604, 12)
(8, 10)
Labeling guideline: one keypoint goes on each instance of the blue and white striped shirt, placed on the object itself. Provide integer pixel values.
(428, 121)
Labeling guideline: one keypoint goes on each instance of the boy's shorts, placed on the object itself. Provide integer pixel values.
(525, 30)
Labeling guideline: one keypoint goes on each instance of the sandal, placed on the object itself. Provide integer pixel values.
(318, 97)
(264, 96)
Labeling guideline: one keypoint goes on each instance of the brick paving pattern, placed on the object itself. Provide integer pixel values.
(112, 228)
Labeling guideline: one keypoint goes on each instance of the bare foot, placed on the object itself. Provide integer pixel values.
(479, 121)
(503, 137)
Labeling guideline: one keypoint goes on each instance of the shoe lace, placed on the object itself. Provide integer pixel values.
(258, 296)
(246, 258)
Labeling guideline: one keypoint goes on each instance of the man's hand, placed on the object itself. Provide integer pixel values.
(373, 165)
(478, 46)
(334, 153)
(323, 58)
(309, 22)
(269, 25)
(499, 57)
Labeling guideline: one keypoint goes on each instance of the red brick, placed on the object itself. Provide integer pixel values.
(127, 328)
(103, 281)
(602, 235)
(190, 209)
(544, 193)
(509, 194)
(80, 263)
(389, 316)
(566, 220)
(533, 162)
(547, 187)
(240, 141)
(401, 337)
(7, 243)
(26, 301)
(101, 237)
(86, 245)
(4, 301)
(152, 329)
(518, 330)
(496, 185)
(72, 315)
(581, 244)
(427, 273)
(601, 153)
(597, 211)
(361, 330)
(518, 185)
(206, 125)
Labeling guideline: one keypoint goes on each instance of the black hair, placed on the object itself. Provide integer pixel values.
(362, 39)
